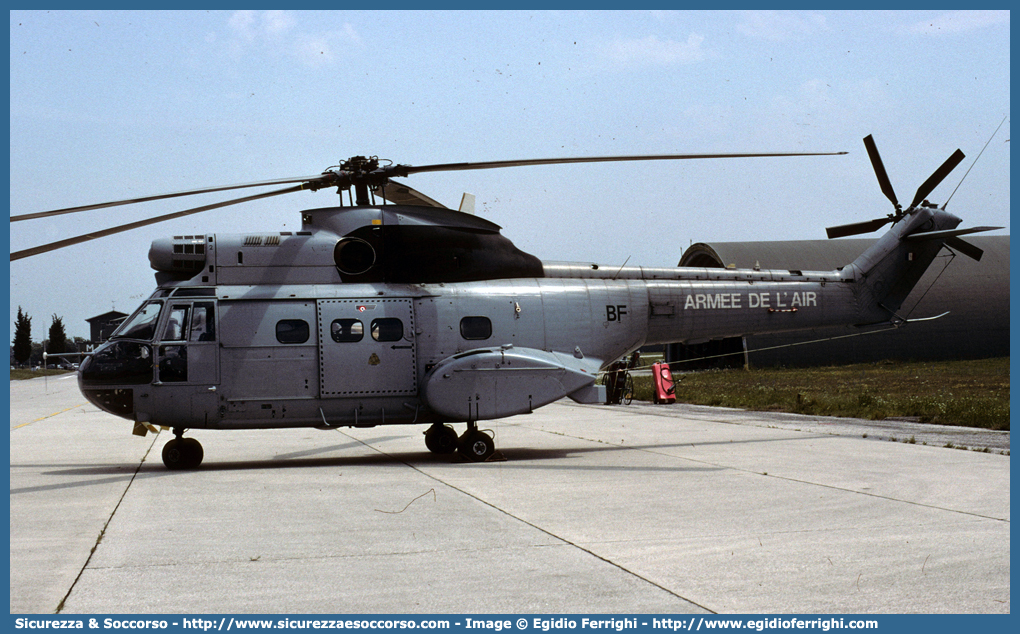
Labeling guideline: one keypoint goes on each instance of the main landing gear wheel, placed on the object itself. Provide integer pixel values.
(183, 453)
(441, 439)
(475, 445)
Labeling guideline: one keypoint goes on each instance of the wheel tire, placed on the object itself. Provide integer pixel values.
(441, 439)
(476, 446)
(194, 453)
(174, 454)
(628, 390)
(182, 453)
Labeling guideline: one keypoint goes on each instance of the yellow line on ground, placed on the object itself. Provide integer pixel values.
(50, 416)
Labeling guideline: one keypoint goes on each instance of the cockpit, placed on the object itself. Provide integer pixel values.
(151, 347)
(126, 359)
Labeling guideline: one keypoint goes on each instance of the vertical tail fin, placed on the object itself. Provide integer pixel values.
(891, 267)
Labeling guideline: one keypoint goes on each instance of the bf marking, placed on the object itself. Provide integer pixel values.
(615, 313)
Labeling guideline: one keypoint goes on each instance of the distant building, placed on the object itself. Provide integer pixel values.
(976, 294)
(103, 325)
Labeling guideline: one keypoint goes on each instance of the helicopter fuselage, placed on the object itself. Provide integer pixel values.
(291, 355)
(310, 329)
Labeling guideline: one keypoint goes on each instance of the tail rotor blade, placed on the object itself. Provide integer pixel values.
(937, 177)
(856, 228)
(883, 177)
(965, 248)
(922, 192)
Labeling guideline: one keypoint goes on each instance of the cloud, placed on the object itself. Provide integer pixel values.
(277, 23)
(781, 26)
(242, 25)
(314, 50)
(827, 104)
(651, 50)
(278, 33)
(959, 22)
(250, 26)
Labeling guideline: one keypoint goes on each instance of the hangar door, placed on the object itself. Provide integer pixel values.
(366, 347)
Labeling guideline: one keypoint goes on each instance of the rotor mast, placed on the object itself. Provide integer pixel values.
(359, 170)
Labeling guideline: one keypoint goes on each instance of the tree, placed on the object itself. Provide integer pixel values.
(37, 350)
(58, 338)
(22, 337)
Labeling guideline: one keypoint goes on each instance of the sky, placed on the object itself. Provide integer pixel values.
(113, 105)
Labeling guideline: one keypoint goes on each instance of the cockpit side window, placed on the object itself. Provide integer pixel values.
(176, 325)
(141, 325)
(203, 322)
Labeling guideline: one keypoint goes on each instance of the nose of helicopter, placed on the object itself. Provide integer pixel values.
(106, 376)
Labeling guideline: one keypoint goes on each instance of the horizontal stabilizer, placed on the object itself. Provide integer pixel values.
(952, 238)
(949, 233)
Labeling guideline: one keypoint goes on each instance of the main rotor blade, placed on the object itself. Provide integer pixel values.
(404, 170)
(190, 192)
(853, 229)
(936, 177)
(883, 177)
(53, 246)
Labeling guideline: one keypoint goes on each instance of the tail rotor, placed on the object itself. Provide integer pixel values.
(951, 238)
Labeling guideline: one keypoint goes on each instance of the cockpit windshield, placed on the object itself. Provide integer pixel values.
(141, 325)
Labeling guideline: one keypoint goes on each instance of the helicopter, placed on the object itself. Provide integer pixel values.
(394, 309)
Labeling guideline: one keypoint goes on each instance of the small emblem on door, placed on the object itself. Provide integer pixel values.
(374, 359)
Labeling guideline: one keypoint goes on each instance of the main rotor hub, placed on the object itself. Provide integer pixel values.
(360, 165)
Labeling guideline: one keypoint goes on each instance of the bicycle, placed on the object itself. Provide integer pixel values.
(619, 382)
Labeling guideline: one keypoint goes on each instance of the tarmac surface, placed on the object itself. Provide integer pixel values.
(634, 509)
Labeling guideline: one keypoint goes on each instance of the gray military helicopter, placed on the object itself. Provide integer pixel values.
(413, 313)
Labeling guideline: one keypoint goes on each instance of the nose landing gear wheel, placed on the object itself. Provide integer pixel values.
(476, 446)
(441, 439)
(183, 453)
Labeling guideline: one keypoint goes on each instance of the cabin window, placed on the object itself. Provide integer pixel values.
(347, 330)
(387, 329)
(292, 331)
(475, 328)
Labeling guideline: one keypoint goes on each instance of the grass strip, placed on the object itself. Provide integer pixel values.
(964, 393)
